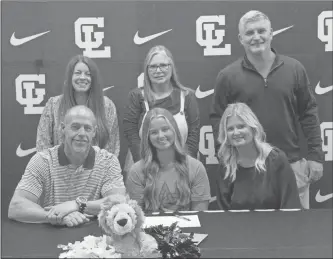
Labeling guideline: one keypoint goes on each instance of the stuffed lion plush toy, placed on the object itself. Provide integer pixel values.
(122, 220)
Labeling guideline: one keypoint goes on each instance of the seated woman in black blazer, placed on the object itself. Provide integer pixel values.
(252, 173)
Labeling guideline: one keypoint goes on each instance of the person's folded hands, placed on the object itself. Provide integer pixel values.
(75, 218)
(57, 212)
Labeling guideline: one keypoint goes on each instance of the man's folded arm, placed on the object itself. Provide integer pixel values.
(24, 208)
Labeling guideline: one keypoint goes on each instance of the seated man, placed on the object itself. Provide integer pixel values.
(73, 177)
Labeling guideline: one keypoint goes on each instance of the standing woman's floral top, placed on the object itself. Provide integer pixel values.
(49, 133)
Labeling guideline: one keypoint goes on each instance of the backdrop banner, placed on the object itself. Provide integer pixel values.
(39, 38)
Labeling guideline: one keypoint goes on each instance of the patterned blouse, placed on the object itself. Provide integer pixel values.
(49, 133)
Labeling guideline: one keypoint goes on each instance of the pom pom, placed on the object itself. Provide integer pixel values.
(90, 247)
(172, 243)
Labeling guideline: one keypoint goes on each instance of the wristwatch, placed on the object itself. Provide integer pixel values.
(82, 202)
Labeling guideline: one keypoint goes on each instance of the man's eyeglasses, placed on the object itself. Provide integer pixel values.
(162, 67)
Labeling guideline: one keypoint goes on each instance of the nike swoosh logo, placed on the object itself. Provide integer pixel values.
(139, 41)
(107, 88)
(199, 94)
(282, 30)
(22, 153)
(322, 198)
(323, 90)
(17, 42)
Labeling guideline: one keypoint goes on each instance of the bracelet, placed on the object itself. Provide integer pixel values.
(82, 207)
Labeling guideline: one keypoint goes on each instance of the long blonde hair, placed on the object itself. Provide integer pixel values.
(152, 164)
(227, 153)
(174, 80)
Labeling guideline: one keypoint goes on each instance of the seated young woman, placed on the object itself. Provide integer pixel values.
(166, 178)
(252, 173)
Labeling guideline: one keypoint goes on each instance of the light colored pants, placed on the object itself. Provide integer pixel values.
(128, 164)
(302, 173)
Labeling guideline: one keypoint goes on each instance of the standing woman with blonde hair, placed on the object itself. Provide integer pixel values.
(163, 89)
(82, 86)
(166, 178)
(252, 173)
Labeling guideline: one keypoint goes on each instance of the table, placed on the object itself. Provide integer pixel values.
(230, 234)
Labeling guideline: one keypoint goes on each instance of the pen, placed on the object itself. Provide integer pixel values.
(181, 217)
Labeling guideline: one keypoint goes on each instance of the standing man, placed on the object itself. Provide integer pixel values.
(277, 89)
(74, 177)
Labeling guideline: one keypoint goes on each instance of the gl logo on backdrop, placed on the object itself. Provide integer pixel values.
(206, 144)
(88, 39)
(209, 37)
(325, 29)
(327, 137)
(32, 96)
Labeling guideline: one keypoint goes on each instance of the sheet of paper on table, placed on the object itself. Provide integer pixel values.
(198, 237)
(168, 220)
